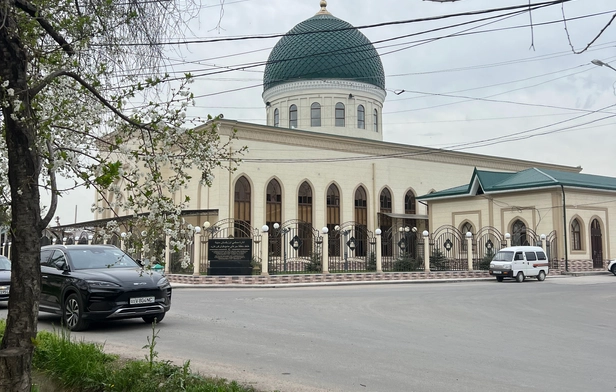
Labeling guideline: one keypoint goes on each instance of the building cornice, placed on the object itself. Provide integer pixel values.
(301, 87)
(374, 148)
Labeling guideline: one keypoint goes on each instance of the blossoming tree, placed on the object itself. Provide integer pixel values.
(73, 105)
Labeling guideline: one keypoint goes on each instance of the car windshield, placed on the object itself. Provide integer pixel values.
(91, 258)
(5, 264)
(503, 256)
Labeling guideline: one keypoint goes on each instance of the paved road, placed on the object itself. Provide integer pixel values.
(556, 335)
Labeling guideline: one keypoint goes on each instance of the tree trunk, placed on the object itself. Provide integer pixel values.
(16, 348)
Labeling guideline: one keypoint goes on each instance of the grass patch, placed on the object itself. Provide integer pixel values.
(73, 366)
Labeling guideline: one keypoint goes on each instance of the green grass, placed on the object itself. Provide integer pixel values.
(82, 366)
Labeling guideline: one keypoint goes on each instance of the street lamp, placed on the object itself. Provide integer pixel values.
(601, 64)
(284, 232)
(350, 244)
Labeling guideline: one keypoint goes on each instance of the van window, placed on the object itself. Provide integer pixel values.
(530, 256)
(503, 256)
(519, 256)
(541, 256)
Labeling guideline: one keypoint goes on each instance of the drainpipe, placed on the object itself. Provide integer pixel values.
(565, 227)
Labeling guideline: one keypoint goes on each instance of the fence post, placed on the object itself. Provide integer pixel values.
(265, 251)
(167, 253)
(9, 253)
(197, 252)
(426, 250)
(469, 249)
(508, 239)
(379, 251)
(122, 239)
(325, 250)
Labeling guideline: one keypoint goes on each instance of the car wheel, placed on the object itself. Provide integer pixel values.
(73, 313)
(614, 269)
(157, 318)
(519, 277)
(499, 278)
(541, 276)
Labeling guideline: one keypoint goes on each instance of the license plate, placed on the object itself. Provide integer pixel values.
(496, 272)
(4, 291)
(141, 300)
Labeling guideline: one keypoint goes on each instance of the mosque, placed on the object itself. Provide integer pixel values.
(320, 166)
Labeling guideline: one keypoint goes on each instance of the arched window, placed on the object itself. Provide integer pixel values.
(361, 221)
(304, 203)
(576, 235)
(304, 213)
(333, 207)
(273, 204)
(292, 116)
(596, 244)
(333, 216)
(467, 227)
(276, 117)
(361, 206)
(385, 208)
(376, 120)
(241, 207)
(315, 115)
(361, 117)
(340, 114)
(410, 203)
(519, 236)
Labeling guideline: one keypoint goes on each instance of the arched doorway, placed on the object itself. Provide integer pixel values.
(596, 241)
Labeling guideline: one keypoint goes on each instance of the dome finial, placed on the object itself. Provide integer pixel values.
(324, 10)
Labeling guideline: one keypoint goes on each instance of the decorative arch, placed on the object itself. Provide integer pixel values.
(315, 114)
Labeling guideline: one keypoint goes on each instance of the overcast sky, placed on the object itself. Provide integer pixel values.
(495, 87)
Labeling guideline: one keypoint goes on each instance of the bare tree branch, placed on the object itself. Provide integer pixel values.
(591, 42)
(54, 189)
(34, 12)
(33, 91)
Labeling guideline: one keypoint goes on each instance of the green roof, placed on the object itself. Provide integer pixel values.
(324, 47)
(490, 182)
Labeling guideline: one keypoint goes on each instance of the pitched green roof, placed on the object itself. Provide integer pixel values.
(490, 182)
(324, 47)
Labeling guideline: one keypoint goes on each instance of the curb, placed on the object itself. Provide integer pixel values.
(357, 283)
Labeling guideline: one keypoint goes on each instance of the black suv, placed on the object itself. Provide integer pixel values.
(84, 283)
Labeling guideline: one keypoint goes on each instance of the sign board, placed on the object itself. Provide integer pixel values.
(230, 256)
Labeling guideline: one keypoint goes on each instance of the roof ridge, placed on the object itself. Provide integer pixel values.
(547, 175)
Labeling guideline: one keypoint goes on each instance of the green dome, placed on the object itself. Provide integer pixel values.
(324, 47)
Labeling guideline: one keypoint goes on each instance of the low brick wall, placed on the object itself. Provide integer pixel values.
(580, 265)
(323, 278)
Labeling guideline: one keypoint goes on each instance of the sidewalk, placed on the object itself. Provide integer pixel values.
(315, 280)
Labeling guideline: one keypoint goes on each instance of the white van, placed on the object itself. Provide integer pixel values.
(519, 262)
